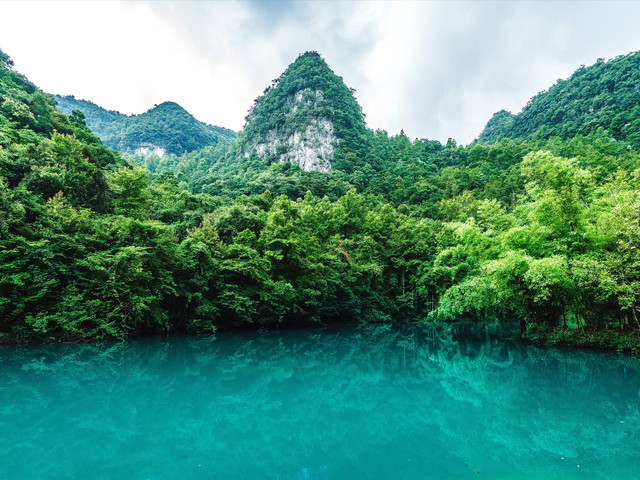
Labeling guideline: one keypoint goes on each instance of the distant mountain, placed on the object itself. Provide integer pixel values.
(165, 128)
(605, 95)
(308, 117)
(46, 152)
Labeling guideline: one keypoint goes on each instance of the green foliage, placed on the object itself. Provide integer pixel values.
(131, 194)
(539, 229)
(166, 126)
(603, 96)
(306, 93)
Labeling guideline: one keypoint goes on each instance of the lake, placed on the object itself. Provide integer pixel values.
(369, 402)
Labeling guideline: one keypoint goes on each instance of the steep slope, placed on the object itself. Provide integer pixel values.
(44, 150)
(307, 117)
(165, 128)
(98, 119)
(605, 95)
(83, 253)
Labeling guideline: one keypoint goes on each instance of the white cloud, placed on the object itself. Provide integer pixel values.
(435, 69)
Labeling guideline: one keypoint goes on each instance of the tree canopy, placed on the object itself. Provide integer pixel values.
(167, 127)
(603, 96)
(542, 228)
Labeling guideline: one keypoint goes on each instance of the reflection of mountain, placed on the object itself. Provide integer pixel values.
(354, 403)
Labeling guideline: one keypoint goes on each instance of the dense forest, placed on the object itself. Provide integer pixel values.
(294, 109)
(605, 95)
(537, 221)
(165, 128)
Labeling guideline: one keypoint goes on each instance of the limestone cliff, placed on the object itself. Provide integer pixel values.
(306, 117)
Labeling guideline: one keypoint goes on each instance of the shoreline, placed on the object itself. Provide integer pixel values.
(606, 341)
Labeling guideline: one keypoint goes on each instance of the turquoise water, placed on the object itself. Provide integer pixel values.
(364, 403)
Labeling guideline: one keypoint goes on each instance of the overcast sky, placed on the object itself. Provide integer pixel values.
(435, 69)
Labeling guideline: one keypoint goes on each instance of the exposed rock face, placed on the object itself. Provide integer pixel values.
(307, 117)
(164, 129)
(149, 149)
(311, 149)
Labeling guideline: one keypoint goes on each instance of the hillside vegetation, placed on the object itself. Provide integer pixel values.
(165, 128)
(532, 228)
(305, 98)
(603, 96)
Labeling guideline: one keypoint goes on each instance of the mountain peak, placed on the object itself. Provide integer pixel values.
(311, 54)
(168, 106)
(307, 117)
(165, 128)
(602, 96)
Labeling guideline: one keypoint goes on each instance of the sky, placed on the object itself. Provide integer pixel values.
(434, 69)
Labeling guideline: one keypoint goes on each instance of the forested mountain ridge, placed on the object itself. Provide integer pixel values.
(35, 145)
(605, 95)
(165, 128)
(308, 117)
(544, 230)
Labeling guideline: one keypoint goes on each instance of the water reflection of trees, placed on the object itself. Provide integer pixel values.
(247, 402)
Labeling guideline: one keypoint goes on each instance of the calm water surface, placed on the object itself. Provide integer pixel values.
(364, 403)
